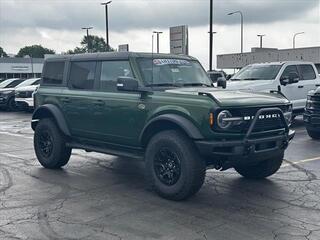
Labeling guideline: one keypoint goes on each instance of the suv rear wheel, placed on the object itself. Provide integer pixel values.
(261, 170)
(50, 145)
(313, 134)
(174, 167)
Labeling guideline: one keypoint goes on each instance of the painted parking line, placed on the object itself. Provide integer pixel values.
(300, 161)
(16, 135)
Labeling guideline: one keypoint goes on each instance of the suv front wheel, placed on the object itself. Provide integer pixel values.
(313, 134)
(50, 145)
(261, 170)
(174, 167)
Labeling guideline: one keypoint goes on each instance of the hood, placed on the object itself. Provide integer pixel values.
(227, 98)
(247, 84)
(31, 88)
(6, 89)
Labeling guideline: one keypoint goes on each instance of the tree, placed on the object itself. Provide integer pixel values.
(3, 53)
(97, 44)
(36, 51)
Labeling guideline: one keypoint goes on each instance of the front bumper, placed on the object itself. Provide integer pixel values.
(25, 102)
(250, 149)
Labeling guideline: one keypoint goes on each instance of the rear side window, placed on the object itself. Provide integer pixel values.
(53, 73)
(307, 72)
(110, 71)
(82, 75)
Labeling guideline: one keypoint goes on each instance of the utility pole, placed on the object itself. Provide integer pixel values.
(107, 23)
(88, 40)
(261, 36)
(241, 19)
(294, 38)
(211, 36)
(158, 44)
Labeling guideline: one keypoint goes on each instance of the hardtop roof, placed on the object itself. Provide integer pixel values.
(116, 56)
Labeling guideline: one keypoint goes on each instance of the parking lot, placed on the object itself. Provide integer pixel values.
(99, 196)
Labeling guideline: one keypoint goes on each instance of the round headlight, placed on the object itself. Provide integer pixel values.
(221, 119)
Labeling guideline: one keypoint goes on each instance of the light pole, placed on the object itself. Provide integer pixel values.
(211, 50)
(88, 41)
(294, 38)
(261, 36)
(107, 23)
(158, 45)
(241, 18)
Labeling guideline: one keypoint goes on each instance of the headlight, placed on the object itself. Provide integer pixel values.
(222, 121)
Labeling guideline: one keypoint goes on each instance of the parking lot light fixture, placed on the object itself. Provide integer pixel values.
(261, 36)
(107, 23)
(294, 38)
(241, 18)
(88, 41)
(158, 44)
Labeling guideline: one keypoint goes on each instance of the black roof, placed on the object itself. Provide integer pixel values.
(115, 55)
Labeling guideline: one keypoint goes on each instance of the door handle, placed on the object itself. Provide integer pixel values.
(300, 86)
(65, 100)
(99, 103)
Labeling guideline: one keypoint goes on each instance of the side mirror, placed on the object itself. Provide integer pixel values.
(221, 82)
(127, 84)
(292, 77)
(228, 76)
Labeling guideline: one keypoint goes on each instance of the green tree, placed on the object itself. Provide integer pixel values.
(36, 51)
(3, 53)
(96, 43)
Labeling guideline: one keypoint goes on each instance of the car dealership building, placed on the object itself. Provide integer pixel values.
(11, 67)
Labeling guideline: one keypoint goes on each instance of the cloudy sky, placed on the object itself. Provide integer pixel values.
(56, 24)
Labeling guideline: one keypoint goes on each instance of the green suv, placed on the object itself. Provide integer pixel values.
(162, 108)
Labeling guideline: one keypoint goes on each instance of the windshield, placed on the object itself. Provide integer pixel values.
(172, 72)
(10, 83)
(257, 72)
(28, 82)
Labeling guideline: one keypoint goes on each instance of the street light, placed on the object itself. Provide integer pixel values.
(211, 50)
(241, 18)
(88, 42)
(261, 36)
(107, 23)
(294, 38)
(158, 33)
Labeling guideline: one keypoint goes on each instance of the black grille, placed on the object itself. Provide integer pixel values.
(315, 102)
(25, 94)
(271, 121)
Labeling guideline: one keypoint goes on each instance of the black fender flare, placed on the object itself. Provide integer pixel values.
(186, 125)
(50, 110)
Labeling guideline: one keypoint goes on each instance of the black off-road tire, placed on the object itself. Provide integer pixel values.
(50, 145)
(313, 134)
(11, 105)
(261, 170)
(192, 166)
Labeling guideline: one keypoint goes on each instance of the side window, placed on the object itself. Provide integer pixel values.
(53, 73)
(82, 75)
(288, 70)
(110, 71)
(307, 72)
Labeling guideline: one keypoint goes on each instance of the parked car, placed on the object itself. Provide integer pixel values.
(24, 95)
(162, 108)
(7, 94)
(10, 83)
(311, 116)
(294, 79)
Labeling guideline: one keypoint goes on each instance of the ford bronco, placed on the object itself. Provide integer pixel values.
(162, 108)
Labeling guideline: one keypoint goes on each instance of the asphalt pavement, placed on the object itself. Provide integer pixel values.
(98, 196)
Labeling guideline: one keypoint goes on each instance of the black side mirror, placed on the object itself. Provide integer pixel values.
(221, 82)
(228, 76)
(127, 84)
(292, 77)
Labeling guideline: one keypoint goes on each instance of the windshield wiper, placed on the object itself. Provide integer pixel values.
(251, 79)
(197, 84)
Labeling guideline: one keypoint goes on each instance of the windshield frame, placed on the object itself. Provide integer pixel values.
(249, 68)
(167, 85)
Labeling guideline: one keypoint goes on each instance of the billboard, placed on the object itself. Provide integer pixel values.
(179, 42)
(123, 48)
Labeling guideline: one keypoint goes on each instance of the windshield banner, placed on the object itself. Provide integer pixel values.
(160, 62)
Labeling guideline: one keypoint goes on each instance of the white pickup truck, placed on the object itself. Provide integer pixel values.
(294, 79)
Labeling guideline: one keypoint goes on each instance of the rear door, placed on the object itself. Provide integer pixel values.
(309, 80)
